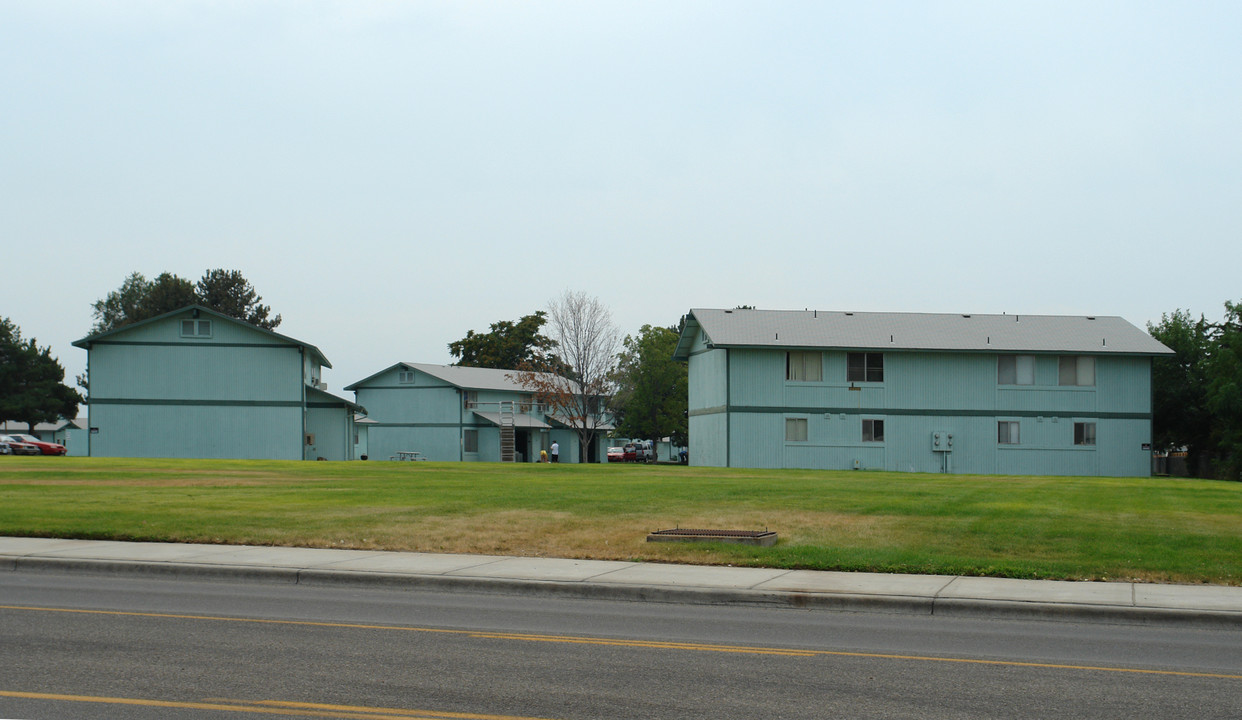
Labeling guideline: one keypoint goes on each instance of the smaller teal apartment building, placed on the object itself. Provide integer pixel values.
(195, 383)
(454, 413)
(919, 392)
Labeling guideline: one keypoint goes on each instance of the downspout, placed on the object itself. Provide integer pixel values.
(461, 426)
(302, 440)
(728, 413)
(88, 402)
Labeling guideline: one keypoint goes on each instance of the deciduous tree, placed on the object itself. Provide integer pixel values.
(651, 387)
(586, 346)
(508, 346)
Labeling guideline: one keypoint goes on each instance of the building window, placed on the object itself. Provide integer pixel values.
(470, 399)
(405, 376)
(470, 441)
(864, 367)
(804, 366)
(873, 431)
(795, 429)
(1084, 433)
(1015, 370)
(1007, 432)
(1076, 370)
(196, 328)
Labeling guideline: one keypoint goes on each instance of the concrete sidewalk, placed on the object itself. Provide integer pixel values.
(939, 595)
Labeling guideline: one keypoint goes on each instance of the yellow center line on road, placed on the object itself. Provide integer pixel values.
(268, 707)
(650, 644)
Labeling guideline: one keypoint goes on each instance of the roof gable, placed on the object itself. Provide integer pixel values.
(198, 311)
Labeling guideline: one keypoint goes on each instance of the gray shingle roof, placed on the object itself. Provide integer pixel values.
(472, 378)
(1096, 335)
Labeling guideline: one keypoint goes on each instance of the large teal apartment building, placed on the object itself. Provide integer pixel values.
(195, 383)
(919, 392)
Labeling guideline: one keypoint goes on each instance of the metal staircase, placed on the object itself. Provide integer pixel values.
(508, 452)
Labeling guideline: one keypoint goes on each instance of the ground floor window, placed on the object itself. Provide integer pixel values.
(1084, 433)
(873, 430)
(795, 429)
(1007, 432)
(470, 441)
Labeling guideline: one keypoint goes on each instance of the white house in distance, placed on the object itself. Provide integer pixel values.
(447, 412)
(195, 383)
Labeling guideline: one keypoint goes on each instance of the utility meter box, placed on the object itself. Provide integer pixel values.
(942, 441)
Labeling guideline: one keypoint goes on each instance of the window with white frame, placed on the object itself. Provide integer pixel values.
(470, 399)
(405, 377)
(1076, 370)
(1015, 370)
(795, 429)
(872, 430)
(804, 366)
(1084, 433)
(864, 367)
(196, 328)
(1008, 432)
(470, 441)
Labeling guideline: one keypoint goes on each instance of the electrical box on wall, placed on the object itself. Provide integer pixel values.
(942, 441)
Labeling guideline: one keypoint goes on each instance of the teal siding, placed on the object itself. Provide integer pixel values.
(233, 392)
(922, 393)
(211, 431)
(707, 379)
(707, 440)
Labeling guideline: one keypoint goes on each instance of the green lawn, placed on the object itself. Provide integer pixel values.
(1155, 529)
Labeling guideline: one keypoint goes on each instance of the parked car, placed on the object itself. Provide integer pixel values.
(46, 448)
(5, 449)
(17, 447)
(639, 451)
(616, 454)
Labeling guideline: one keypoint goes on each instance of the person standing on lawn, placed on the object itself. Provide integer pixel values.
(556, 452)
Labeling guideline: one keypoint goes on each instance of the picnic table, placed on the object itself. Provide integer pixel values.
(407, 455)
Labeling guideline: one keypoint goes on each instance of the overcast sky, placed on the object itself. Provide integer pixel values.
(390, 175)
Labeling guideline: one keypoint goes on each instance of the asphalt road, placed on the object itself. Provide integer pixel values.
(92, 646)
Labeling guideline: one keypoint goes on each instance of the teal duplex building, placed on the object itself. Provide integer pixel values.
(195, 383)
(453, 413)
(914, 392)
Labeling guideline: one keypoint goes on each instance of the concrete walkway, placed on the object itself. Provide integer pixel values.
(939, 595)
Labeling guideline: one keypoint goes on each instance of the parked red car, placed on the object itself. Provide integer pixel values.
(17, 447)
(45, 448)
(616, 454)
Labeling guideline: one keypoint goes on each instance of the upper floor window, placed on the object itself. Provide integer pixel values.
(864, 367)
(804, 366)
(1084, 433)
(405, 376)
(1015, 370)
(1008, 432)
(196, 328)
(795, 429)
(1076, 370)
(470, 398)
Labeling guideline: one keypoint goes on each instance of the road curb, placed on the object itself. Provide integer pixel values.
(825, 601)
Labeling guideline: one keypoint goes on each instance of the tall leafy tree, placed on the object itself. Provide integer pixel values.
(228, 292)
(651, 387)
(1224, 391)
(508, 346)
(138, 299)
(31, 387)
(1180, 417)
